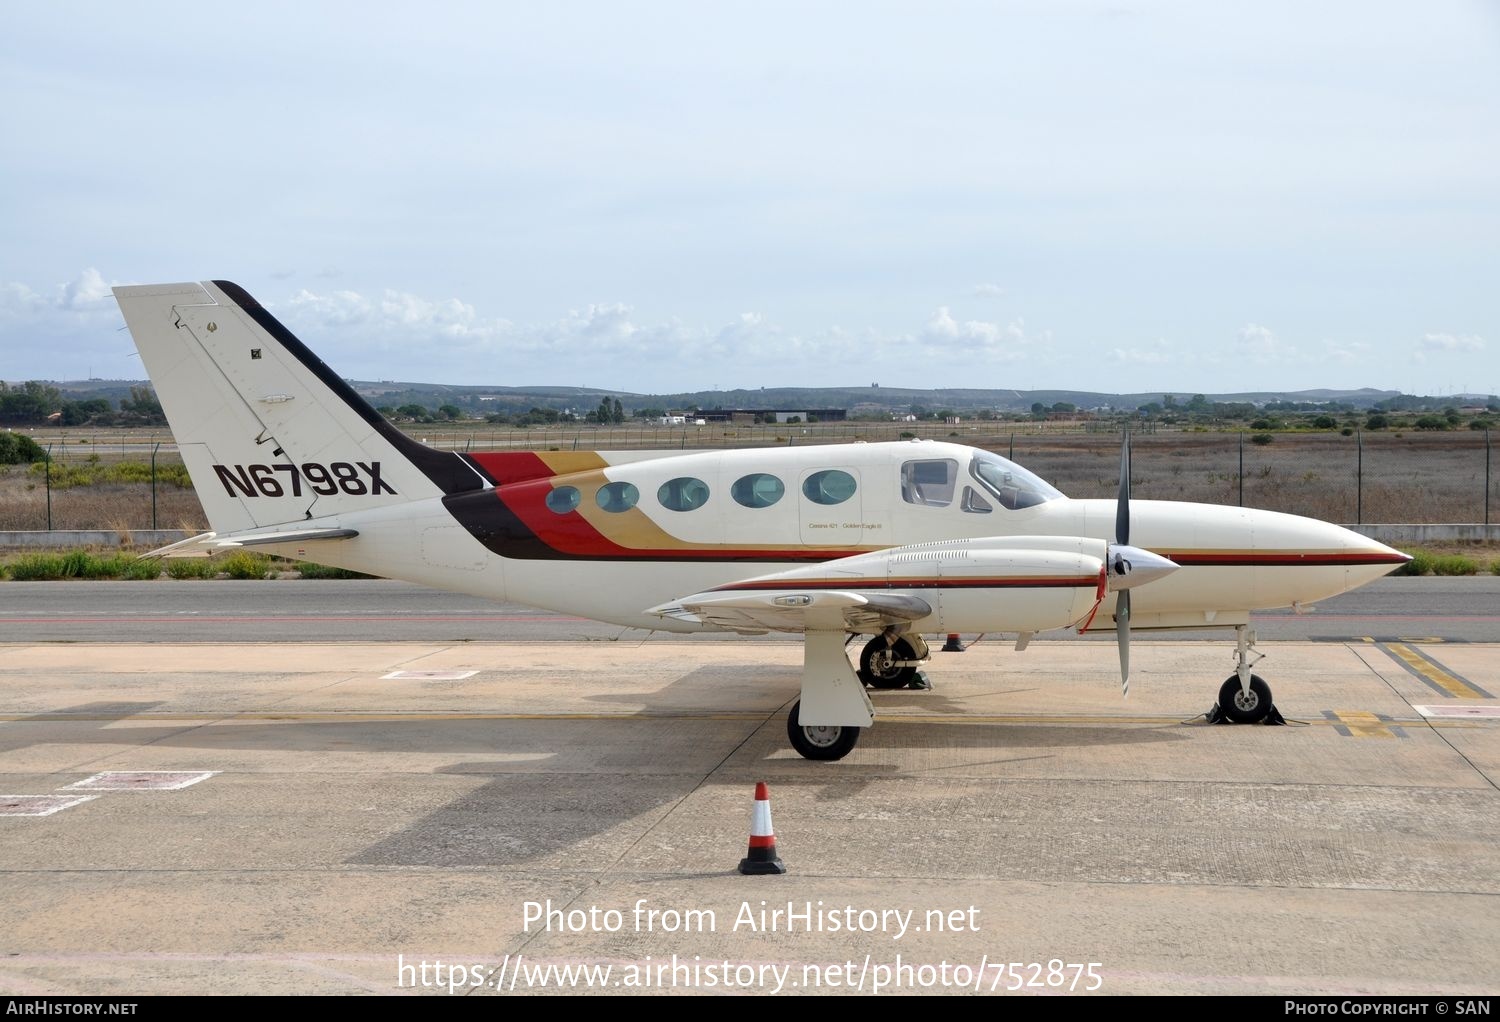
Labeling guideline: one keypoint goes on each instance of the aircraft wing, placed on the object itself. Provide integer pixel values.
(793, 610)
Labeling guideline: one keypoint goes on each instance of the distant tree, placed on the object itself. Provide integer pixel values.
(1064, 408)
(617, 412)
(1377, 421)
(451, 411)
(414, 412)
(76, 413)
(142, 404)
(1262, 438)
(1431, 422)
(1479, 424)
(1325, 422)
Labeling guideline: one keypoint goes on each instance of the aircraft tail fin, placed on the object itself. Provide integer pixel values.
(270, 434)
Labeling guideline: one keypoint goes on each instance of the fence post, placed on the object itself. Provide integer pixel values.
(153, 483)
(1486, 478)
(1242, 468)
(47, 468)
(1359, 478)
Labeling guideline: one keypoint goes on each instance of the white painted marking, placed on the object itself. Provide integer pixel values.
(39, 805)
(428, 675)
(1459, 711)
(141, 780)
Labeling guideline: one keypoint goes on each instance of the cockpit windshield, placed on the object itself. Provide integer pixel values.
(1012, 485)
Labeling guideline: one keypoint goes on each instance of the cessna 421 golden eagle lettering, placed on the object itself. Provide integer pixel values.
(892, 540)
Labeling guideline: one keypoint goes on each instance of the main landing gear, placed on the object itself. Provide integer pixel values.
(827, 741)
(890, 660)
(1245, 698)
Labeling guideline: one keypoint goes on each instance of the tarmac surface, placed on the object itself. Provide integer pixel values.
(522, 808)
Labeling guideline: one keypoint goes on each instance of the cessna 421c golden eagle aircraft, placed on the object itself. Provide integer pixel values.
(892, 540)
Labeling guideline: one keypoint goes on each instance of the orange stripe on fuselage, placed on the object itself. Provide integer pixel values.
(507, 467)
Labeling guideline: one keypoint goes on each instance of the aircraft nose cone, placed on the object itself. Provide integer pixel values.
(1130, 566)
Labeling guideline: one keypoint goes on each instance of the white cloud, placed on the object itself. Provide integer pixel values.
(977, 337)
(1262, 345)
(1452, 342)
(1346, 352)
(988, 290)
(1158, 353)
(87, 293)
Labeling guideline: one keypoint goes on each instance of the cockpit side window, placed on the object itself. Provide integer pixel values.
(974, 503)
(929, 482)
(1009, 483)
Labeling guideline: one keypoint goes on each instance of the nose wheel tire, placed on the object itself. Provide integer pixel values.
(821, 742)
(879, 663)
(1245, 707)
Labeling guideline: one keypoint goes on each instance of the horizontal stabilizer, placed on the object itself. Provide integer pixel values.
(211, 542)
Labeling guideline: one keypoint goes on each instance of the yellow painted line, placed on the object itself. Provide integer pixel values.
(1421, 665)
(1363, 724)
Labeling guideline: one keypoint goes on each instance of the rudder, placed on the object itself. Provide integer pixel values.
(270, 434)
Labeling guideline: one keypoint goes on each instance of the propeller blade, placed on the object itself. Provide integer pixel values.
(1122, 633)
(1122, 509)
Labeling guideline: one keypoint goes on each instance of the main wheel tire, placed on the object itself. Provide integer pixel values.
(878, 663)
(1245, 707)
(819, 742)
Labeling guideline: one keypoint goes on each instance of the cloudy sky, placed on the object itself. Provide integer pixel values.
(1114, 196)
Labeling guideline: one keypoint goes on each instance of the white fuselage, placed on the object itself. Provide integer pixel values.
(614, 564)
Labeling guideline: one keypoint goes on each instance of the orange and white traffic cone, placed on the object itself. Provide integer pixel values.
(762, 858)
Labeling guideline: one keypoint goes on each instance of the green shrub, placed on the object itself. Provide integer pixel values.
(1262, 439)
(310, 570)
(36, 568)
(92, 472)
(191, 567)
(242, 564)
(1495, 567)
(1454, 564)
(18, 449)
(141, 569)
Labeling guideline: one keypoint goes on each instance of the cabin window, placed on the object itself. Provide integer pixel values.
(1009, 483)
(974, 503)
(757, 490)
(617, 497)
(929, 482)
(562, 500)
(682, 494)
(828, 487)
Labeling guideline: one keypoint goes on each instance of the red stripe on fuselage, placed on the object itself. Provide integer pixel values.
(1282, 558)
(508, 467)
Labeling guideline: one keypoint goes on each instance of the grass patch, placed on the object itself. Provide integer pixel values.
(67, 475)
(75, 564)
(181, 568)
(310, 570)
(242, 564)
(1454, 564)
